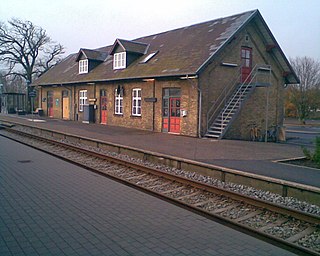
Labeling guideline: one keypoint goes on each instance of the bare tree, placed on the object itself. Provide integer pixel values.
(26, 50)
(9, 84)
(302, 95)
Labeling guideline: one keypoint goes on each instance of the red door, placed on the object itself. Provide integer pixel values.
(246, 64)
(174, 115)
(104, 111)
(50, 104)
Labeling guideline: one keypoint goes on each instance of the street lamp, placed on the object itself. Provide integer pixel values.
(28, 96)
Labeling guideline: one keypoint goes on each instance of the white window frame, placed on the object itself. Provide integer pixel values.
(119, 60)
(83, 99)
(118, 103)
(83, 66)
(136, 102)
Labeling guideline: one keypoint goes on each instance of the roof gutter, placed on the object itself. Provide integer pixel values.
(178, 76)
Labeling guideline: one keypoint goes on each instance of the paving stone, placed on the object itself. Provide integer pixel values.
(73, 212)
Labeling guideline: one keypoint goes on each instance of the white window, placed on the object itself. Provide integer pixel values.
(118, 109)
(119, 60)
(83, 66)
(136, 102)
(83, 99)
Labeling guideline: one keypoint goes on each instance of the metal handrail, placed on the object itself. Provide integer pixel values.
(244, 85)
(222, 99)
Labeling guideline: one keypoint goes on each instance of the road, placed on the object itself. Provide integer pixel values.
(303, 135)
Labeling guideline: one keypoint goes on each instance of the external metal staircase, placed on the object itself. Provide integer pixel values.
(231, 100)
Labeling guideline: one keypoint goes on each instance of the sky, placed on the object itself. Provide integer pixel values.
(95, 23)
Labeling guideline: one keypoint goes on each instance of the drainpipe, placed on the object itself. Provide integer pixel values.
(267, 113)
(187, 77)
(75, 107)
(40, 98)
(154, 96)
(200, 111)
(153, 104)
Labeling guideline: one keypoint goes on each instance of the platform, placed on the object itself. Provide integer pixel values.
(253, 157)
(51, 207)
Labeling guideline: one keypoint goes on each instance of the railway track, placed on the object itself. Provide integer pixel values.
(293, 230)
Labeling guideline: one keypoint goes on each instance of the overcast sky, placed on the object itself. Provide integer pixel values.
(94, 23)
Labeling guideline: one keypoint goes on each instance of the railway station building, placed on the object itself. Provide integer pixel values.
(217, 79)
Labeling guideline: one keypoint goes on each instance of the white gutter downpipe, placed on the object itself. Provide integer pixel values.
(200, 112)
(187, 77)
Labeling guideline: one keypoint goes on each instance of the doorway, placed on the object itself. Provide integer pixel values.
(171, 110)
(65, 105)
(246, 64)
(50, 103)
(103, 107)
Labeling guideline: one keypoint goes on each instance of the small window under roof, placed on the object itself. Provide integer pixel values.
(148, 57)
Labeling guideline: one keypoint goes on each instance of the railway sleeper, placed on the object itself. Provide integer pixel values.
(302, 234)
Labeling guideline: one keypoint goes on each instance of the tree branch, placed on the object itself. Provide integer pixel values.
(26, 49)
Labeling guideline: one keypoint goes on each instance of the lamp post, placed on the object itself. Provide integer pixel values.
(31, 95)
(27, 95)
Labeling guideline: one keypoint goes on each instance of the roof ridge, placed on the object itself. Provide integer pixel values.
(131, 41)
(172, 30)
(196, 24)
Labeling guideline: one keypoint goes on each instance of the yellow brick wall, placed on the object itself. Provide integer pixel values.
(216, 77)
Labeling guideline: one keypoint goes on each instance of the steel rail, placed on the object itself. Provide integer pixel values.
(202, 186)
(285, 188)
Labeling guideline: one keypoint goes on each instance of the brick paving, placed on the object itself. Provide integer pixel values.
(50, 207)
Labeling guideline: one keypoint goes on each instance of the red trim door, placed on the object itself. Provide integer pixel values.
(165, 115)
(104, 111)
(246, 64)
(174, 115)
(50, 104)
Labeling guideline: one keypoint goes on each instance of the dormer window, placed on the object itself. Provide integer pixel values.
(126, 52)
(83, 66)
(119, 60)
(90, 59)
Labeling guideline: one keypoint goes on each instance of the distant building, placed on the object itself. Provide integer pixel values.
(216, 79)
(12, 103)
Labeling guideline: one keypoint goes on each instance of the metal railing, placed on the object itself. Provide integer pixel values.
(222, 99)
(236, 99)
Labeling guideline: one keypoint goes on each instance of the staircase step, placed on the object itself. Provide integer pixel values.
(214, 131)
(230, 108)
(233, 104)
(219, 119)
(212, 136)
(235, 100)
(221, 122)
(218, 126)
(228, 113)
